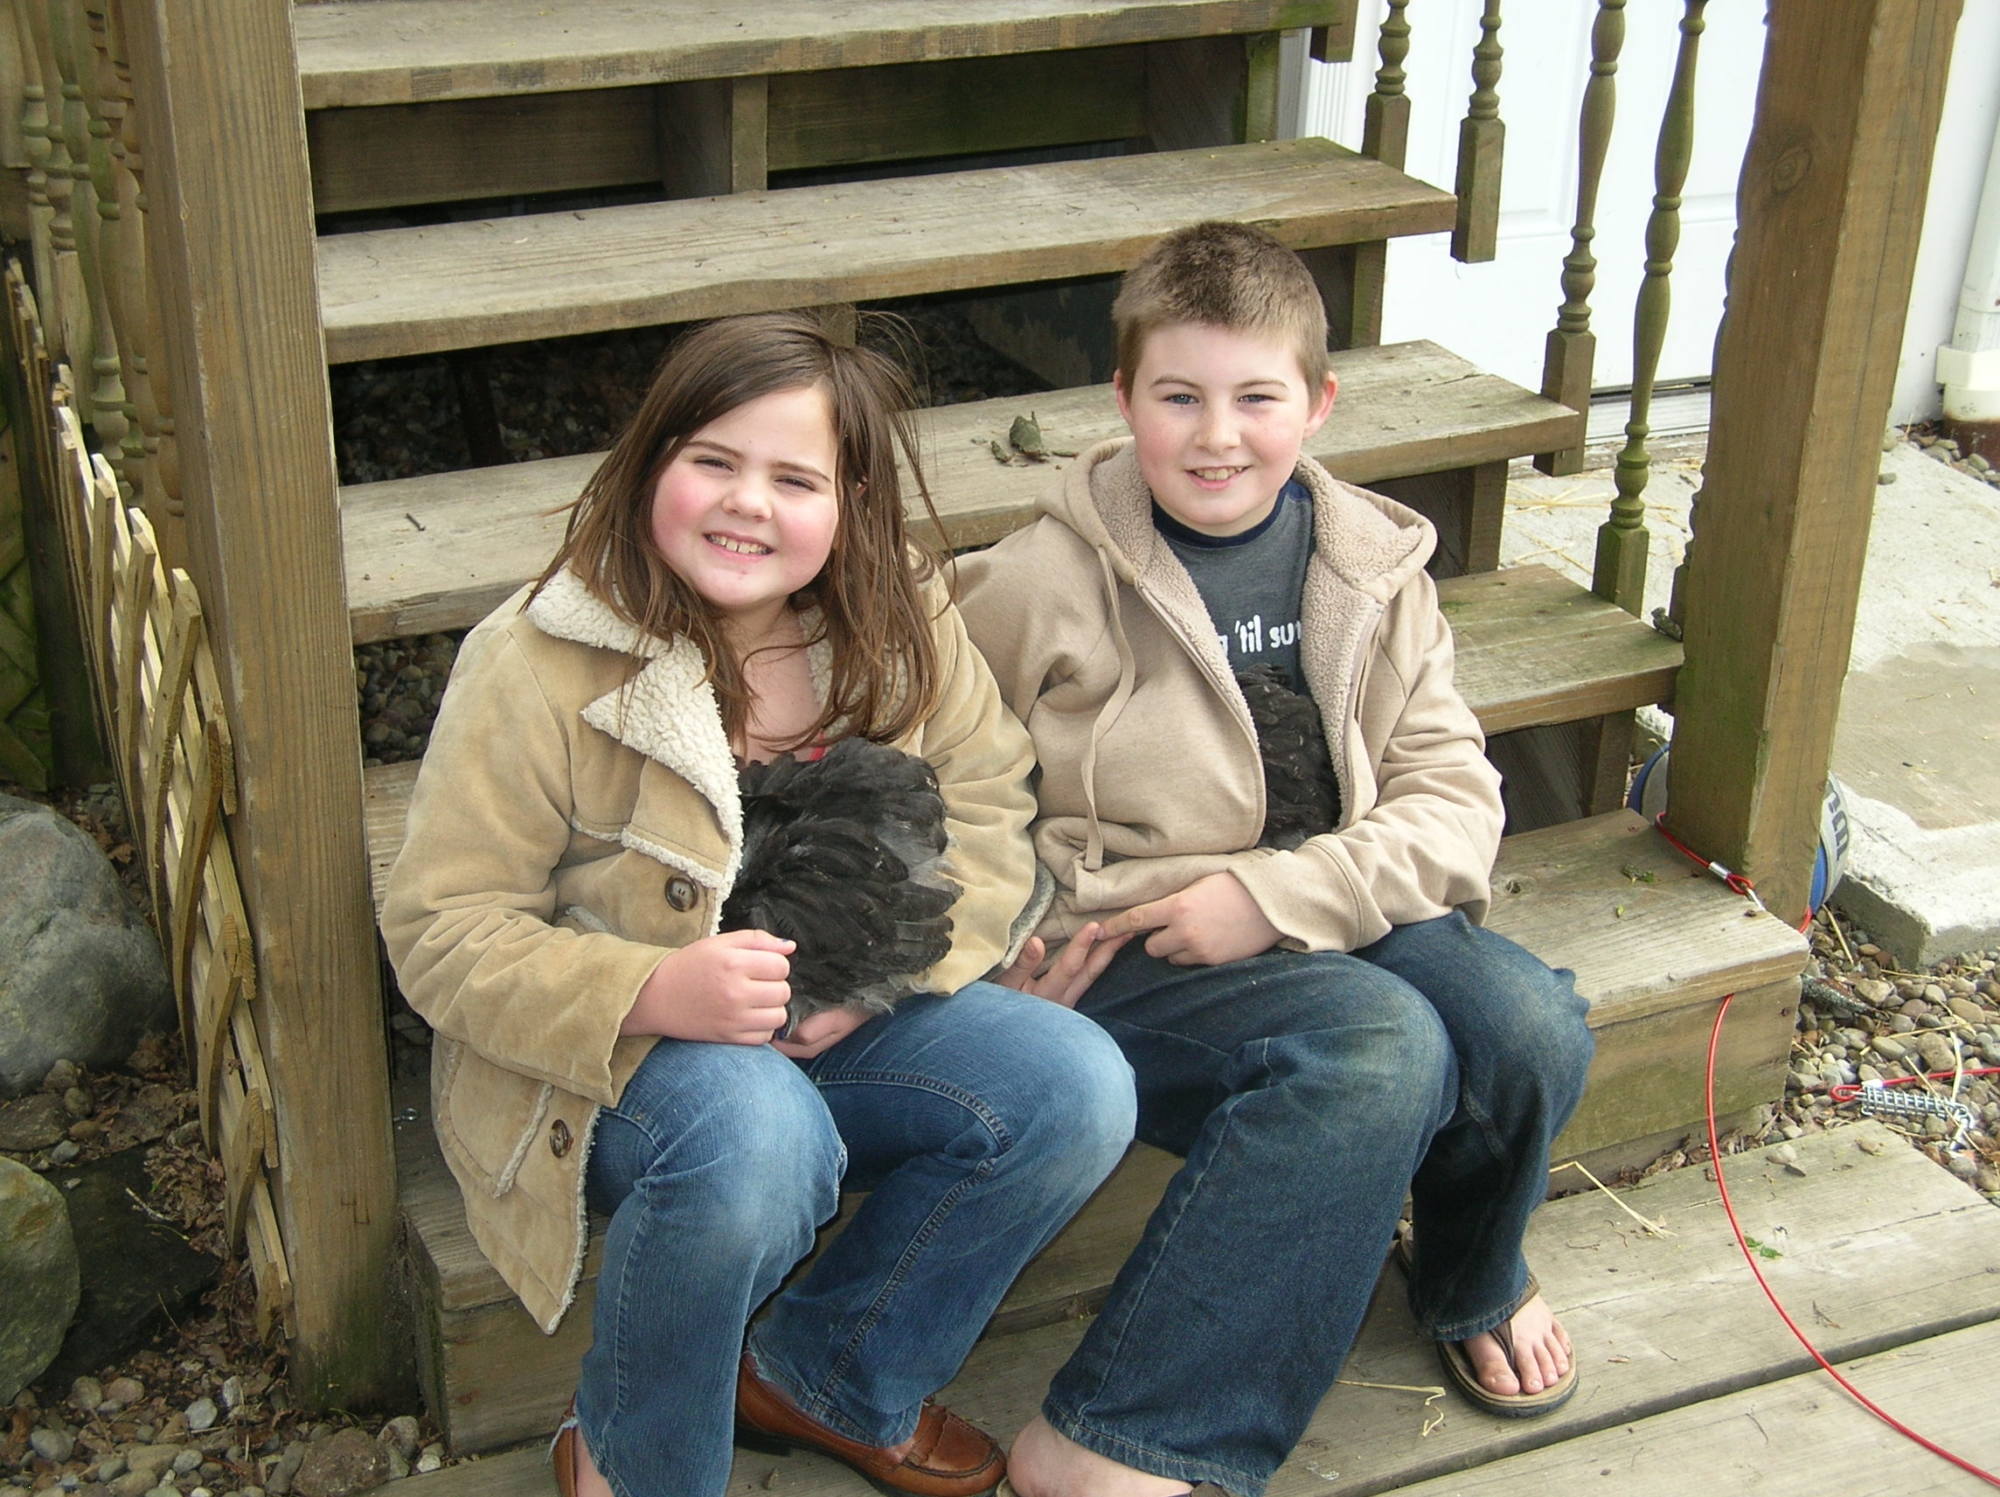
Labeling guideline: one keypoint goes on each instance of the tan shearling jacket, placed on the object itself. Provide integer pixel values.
(576, 816)
(1150, 771)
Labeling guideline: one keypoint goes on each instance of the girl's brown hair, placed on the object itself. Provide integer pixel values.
(870, 592)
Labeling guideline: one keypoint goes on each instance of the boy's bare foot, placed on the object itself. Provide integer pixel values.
(1541, 1352)
(1044, 1463)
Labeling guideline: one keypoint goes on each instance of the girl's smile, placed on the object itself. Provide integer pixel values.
(746, 512)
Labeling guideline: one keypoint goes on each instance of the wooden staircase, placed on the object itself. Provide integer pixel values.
(1187, 90)
(491, 171)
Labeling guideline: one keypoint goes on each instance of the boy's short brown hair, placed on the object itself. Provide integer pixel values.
(1226, 275)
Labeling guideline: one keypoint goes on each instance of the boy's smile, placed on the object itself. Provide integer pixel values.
(1218, 419)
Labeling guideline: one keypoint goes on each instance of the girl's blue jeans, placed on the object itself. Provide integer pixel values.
(1308, 1093)
(978, 1123)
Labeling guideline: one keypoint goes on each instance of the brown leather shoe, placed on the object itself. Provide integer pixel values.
(949, 1458)
(562, 1452)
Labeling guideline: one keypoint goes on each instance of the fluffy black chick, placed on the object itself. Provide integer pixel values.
(845, 856)
(1301, 795)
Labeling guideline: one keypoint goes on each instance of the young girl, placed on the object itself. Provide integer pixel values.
(735, 583)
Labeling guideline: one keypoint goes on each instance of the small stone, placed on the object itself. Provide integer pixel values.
(1885, 476)
(1967, 1010)
(232, 1393)
(61, 1076)
(1890, 1049)
(151, 1460)
(132, 1484)
(400, 1434)
(86, 1393)
(65, 1151)
(32, 1122)
(111, 1468)
(124, 1391)
(1988, 1180)
(1870, 1145)
(85, 1130)
(186, 1461)
(1785, 1154)
(1901, 1023)
(432, 1458)
(201, 1414)
(1875, 990)
(52, 1444)
(341, 1464)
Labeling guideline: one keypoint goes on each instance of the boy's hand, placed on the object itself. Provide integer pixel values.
(727, 989)
(1212, 921)
(821, 1032)
(1070, 975)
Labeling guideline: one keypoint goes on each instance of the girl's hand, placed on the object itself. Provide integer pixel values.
(728, 989)
(1070, 975)
(1212, 921)
(821, 1032)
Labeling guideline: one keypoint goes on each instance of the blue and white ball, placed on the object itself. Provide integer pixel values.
(1648, 797)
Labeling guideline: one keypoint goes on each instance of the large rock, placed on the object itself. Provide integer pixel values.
(81, 976)
(38, 1266)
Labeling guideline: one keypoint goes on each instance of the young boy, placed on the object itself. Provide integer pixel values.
(1317, 1026)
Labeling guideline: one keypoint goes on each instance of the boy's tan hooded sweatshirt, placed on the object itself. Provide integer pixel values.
(1150, 772)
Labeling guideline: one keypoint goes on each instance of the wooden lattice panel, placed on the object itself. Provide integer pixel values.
(156, 684)
(24, 712)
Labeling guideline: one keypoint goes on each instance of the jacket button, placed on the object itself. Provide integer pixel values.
(559, 1138)
(681, 893)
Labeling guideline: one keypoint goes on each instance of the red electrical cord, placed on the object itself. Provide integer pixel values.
(1715, 1154)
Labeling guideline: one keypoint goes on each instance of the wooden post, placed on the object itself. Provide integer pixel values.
(1829, 209)
(239, 341)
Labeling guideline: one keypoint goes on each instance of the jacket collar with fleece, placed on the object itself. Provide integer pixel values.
(667, 711)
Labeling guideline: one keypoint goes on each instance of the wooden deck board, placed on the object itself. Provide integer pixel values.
(391, 292)
(440, 551)
(1783, 1440)
(373, 52)
(1878, 1252)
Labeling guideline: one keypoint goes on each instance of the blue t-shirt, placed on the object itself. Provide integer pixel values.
(1252, 584)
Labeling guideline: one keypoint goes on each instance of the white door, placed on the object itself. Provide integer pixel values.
(1498, 314)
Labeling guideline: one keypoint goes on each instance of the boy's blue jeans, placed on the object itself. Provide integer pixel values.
(1307, 1093)
(978, 1122)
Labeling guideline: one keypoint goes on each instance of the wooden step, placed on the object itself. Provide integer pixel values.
(1533, 648)
(438, 552)
(377, 52)
(391, 292)
(1653, 941)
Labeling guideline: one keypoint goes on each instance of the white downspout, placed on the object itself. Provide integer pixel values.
(1969, 366)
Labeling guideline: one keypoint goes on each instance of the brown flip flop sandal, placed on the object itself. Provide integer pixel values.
(1457, 1362)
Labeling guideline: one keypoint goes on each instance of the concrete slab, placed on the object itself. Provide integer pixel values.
(1917, 749)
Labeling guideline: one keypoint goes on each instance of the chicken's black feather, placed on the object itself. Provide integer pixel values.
(1301, 795)
(845, 856)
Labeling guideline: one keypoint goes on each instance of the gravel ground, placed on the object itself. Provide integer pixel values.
(206, 1409)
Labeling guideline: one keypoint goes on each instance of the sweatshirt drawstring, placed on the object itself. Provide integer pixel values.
(1093, 850)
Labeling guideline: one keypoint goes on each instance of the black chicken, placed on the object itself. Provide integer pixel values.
(845, 855)
(1301, 795)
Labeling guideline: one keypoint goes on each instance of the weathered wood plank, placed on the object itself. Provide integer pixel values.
(555, 274)
(407, 51)
(1880, 1250)
(1784, 1439)
(1830, 207)
(230, 255)
(439, 552)
(481, 148)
